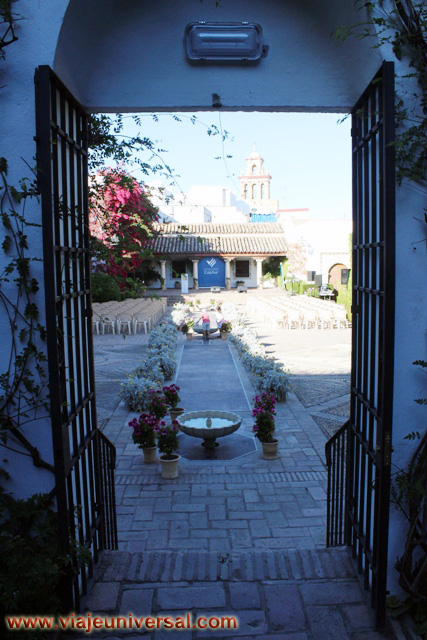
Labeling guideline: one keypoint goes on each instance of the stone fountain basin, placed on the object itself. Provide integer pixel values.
(198, 329)
(193, 423)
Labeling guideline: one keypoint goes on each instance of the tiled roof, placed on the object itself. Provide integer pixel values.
(212, 228)
(225, 239)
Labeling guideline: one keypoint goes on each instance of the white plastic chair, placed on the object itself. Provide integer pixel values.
(139, 320)
(108, 321)
(124, 320)
(96, 321)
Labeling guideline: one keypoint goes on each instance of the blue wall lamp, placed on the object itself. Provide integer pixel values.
(224, 42)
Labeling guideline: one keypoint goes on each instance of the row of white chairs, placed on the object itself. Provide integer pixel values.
(127, 316)
(298, 312)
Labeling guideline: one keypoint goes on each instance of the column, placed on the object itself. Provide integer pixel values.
(227, 272)
(195, 274)
(163, 273)
(259, 262)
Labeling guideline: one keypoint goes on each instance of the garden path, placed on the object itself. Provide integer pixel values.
(242, 536)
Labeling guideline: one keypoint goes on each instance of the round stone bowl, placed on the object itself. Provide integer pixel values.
(198, 329)
(209, 425)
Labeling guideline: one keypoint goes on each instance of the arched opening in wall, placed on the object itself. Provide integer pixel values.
(338, 275)
(254, 191)
(304, 196)
(316, 180)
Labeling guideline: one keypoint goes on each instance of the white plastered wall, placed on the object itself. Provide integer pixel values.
(129, 56)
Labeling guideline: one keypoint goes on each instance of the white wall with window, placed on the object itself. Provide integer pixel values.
(243, 270)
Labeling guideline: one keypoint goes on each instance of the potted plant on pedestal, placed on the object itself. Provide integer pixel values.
(225, 329)
(187, 328)
(172, 400)
(144, 435)
(168, 443)
(264, 427)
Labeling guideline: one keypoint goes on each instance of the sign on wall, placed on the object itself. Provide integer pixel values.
(212, 272)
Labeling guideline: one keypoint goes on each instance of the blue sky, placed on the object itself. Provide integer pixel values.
(307, 155)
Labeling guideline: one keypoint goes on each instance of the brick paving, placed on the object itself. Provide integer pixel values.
(245, 536)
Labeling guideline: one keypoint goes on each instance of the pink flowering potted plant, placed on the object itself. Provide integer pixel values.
(172, 399)
(264, 428)
(144, 435)
(187, 328)
(157, 404)
(225, 329)
(168, 443)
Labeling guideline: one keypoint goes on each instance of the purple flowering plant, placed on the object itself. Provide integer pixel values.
(266, 401)
(264, 413)
(171, 395)
(144, 430)
(168, 438)
(157, 404)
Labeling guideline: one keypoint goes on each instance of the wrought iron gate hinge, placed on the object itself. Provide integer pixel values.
(387, 449)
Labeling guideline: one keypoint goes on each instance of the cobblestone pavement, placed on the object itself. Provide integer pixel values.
(320, 364)
(243, 537)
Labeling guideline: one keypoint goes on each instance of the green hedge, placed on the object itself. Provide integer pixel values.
(104, 288)
(344, 297)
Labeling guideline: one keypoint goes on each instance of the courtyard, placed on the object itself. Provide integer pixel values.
(235, 534)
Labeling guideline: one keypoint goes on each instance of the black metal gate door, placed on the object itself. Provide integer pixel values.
(84, 458)
(359, 454)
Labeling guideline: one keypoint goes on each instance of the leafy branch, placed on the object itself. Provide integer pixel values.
(7, 26)
(404, 28)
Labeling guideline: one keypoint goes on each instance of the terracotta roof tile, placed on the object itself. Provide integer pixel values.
(225, 239)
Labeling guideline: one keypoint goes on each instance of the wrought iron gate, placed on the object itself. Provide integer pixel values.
(84, 457)
(359, 454)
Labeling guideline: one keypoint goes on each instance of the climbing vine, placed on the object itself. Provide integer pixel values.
(23, 384)
(7, 26)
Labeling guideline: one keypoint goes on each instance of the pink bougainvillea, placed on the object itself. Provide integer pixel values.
(121, 220)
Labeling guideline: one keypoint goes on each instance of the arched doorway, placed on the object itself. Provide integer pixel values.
(336, 276)
(189, 87)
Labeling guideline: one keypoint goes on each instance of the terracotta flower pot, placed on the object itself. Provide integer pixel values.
(175, 413)
(224, 335)
(150, 454)
(269, 450)
(169, 465)
(189, 336)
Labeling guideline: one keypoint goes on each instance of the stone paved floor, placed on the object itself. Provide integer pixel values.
(243, 537)
(319, 362)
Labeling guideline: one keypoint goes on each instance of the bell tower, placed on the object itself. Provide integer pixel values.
(255, 184)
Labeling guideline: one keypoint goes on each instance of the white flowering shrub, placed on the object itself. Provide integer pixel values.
(158, 366)
(268, 374)
(274, 380)
(179, 313)
(136, 392)
(152, 370)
